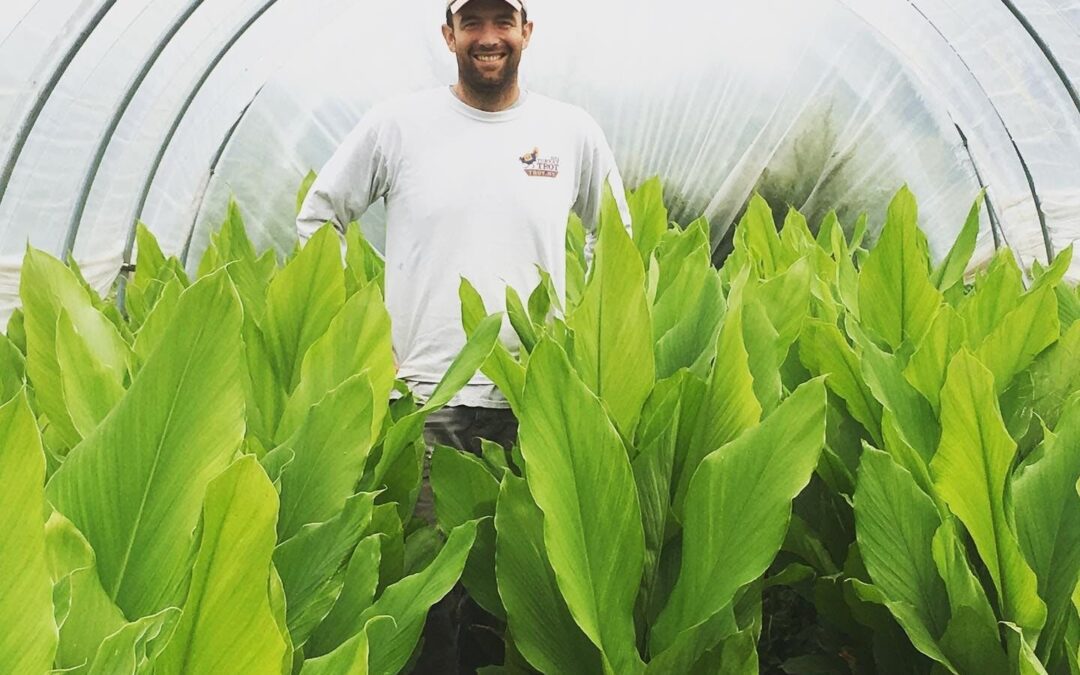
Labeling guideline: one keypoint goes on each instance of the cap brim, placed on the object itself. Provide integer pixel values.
(456, 5)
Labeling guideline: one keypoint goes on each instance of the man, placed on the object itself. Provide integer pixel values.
(478, 178)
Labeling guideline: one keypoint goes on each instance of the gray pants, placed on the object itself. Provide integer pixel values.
(461, 427)
(449, 648)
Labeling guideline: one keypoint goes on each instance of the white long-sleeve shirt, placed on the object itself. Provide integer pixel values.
(469, 193)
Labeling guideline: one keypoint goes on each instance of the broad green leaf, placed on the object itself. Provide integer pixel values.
(926, 369)
(729, 406)
(329, 450)
(909, 619)
(687, 317)
(915, 420)
(970, 472)
(131, 648)
(29, 638)
(652, 469)
(135, 486)
(648, 215)
(612, 327)
(363, 264)
(951, 270)
(1056, 375)
(762, 241)
(684, 654)
(786, 300)
(357, 594)
(86, 615)
(227, 623)
(1057, 270)
(357, 339)
(301, 301)
(895, 526)
(90, 388)
(1047, 512)
(766, 353)
(581, 479)
(996, 293)
(354, 655)
(466, 490)
(823, 349)
(47, 286)
(544, 299)
(539, 621)
(407, 602)
(897, 301)
(679, 248)
(1020, 336)
(971, 639)
(155, 328)
(308, 564)
(737, 510)
(149, 260)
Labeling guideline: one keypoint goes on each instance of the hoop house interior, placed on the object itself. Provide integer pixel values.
(113, 111)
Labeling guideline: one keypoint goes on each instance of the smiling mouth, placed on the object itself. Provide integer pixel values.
(489, 58)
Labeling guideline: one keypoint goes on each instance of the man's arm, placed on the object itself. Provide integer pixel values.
(598, 166)
(355, 176)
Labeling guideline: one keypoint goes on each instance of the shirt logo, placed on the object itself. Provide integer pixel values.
(535, 165)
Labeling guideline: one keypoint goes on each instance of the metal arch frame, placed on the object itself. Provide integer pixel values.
(31, 117)
(1046, 52)
(210, 174)
(1047, 243)
(118, 113)
(145, 191)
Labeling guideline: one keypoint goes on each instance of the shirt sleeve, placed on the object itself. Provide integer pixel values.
(356, 175)
(597, 166)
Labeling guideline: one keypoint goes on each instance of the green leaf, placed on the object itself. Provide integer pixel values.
(84, 611)
(47, 286)
(539, 621)
(995, 295)
(1020, 336)
(507, 374)
(407, 602)
(648, 216)
(1056, 376)
(329, 451)
(895, 525)
(687, 314)
(970, 472)
(612, 327)
(228, 624)
(28, 641)
(575, 261)
(135, 486)
(353, 656)
(356, 340)
(952, 268)
(129, 649)
(308, 564)
(758, 230)
(823, 349)
(301, 302)
(737, 510)
(91, 388)
(305, 185)
(729, 406)
(357, 594)
(520, 320)
(1047, 512)
(592, 522)
(926, 369)
(897, 301)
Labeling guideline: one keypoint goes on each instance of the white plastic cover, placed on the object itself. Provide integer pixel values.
(819, 103)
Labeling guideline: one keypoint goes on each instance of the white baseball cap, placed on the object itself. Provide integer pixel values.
(455, 5)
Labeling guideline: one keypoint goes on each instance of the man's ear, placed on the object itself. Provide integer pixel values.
(448, 35)
(526, 31)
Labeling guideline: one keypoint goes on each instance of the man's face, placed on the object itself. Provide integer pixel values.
(487, 38)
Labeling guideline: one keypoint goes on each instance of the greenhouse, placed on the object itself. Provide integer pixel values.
(720, 337)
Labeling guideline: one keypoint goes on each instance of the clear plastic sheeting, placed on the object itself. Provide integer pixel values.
(113, 110)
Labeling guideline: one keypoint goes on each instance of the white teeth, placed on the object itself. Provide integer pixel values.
(489, 57)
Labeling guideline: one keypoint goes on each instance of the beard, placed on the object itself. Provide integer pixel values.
(489, 84)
